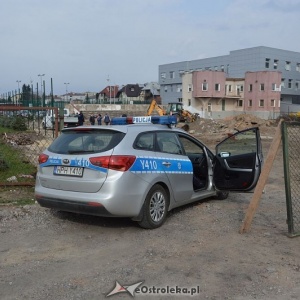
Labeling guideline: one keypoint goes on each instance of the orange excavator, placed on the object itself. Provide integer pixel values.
(173, 108)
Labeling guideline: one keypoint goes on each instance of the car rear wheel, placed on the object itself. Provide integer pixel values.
(155, 208)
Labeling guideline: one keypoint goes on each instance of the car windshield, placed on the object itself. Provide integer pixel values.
(86, 141)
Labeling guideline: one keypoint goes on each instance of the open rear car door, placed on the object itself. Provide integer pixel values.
(238, 161)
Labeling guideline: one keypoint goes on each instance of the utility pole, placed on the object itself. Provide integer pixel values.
(109, 90)
(41, 76)
(66, 83)
(18, 97)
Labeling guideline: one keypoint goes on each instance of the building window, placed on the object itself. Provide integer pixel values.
(179, 100)
(239, 89)
(250, 88)
(172, 74)
(275, 64)
(290, 84)
(229, 88)
(297, 85)
(261, 103)
(181, 72)
(250, 103)
(273, 86)
(179, 88)
(267, 63)
(209, 107)
(222, 68)
(172, 88)
(279, 102)
(189, 88)
(217, 87)
(204, 86)
(166, 88)
(288, 66)
(282, 82)
(240, 103)
(272, 102)
(163, 75)
(298, 67)
(189, 102)
(262, 87)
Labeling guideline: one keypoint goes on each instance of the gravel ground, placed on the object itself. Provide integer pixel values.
(53, 255)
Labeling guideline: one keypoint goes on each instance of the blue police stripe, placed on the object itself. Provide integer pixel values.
(76, 162)
(148, 164)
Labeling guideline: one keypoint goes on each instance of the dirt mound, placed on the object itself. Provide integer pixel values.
(210, 130)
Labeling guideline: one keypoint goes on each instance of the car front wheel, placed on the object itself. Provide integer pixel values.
(222, 195)
(155, 208)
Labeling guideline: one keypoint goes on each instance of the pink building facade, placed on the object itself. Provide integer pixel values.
(212, 94)
(262, 91)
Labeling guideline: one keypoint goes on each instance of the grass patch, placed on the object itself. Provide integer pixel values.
(19, 202)
(12, 161)
(17, 196)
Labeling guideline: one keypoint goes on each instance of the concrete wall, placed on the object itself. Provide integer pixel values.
(114, 110)
(224, 114)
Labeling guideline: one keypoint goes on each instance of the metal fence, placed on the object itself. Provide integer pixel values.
(291, 146)
(23, 137)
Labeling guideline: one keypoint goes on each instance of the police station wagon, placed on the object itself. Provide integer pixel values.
(141, 168)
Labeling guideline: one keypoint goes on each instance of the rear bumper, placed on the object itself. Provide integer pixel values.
(89, 208)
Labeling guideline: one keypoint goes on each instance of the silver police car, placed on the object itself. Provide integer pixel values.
(141, 168)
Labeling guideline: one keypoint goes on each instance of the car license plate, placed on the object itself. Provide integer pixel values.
(68, 171)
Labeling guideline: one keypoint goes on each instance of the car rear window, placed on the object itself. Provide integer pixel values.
(86, 141)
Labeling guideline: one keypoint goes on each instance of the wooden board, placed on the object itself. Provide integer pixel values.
(262, 180)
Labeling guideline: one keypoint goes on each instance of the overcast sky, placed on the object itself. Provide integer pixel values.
(85, 42)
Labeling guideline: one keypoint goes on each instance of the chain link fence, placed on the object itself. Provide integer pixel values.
(23, 138)
(291, 145)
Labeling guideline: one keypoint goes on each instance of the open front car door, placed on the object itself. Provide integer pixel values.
(238, 161)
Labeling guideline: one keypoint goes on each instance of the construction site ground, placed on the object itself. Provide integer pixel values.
(56, 255)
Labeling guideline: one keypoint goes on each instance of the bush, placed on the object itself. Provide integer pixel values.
(15, 122)
(19, 124)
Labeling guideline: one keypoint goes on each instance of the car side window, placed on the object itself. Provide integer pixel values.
(145, 141)
(169, 143)
(190, 147)
(243, 143)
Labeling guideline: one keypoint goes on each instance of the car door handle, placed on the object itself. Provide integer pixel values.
(166, 164)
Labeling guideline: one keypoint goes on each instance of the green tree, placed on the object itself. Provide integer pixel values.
(26, 95)
(87, 99)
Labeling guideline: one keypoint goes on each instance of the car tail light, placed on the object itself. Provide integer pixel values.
(43, 158)
(114, 162)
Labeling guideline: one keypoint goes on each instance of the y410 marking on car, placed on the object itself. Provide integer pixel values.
(148, 164)
(81, 162)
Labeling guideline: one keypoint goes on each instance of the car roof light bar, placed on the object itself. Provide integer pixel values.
(162, 120)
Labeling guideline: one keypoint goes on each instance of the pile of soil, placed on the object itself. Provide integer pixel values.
(213, 131)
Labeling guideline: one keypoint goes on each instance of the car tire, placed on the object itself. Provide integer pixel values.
(221, 195)
(155, 208)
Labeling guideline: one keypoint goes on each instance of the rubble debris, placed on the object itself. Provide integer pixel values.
(216, 130)
(16, 139)
(12, 179)
(25, 176)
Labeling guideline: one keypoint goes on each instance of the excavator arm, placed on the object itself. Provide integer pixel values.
(154, 106)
